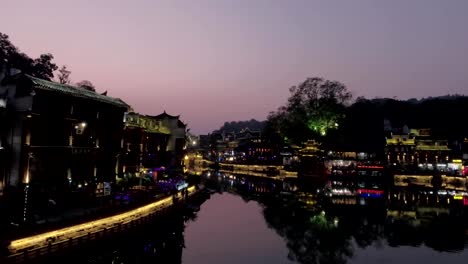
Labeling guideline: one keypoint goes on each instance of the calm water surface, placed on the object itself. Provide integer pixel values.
(231, 230)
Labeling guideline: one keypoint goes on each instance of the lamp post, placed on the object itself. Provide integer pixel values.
(26, 188)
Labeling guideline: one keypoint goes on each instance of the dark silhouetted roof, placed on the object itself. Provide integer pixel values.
(166, 115)
(180, 124)
(69, 90)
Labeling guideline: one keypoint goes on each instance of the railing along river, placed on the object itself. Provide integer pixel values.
(53, 241)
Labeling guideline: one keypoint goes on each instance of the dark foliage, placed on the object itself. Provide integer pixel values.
(363, 127)
(237, 126)
(314, 110)
(85, 84)
(12, 57)
(64, 75)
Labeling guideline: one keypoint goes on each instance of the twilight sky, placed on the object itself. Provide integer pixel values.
(216, 61)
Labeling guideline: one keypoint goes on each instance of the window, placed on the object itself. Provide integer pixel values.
(79, 128)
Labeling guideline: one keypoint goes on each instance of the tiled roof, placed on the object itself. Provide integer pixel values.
(166, 115)
(74, 91)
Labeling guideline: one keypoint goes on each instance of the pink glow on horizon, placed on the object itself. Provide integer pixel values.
(217, 61)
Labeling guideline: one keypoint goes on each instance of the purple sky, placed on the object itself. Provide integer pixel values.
(216, 61)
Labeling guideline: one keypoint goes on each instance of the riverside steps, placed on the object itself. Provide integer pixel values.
(54, 241)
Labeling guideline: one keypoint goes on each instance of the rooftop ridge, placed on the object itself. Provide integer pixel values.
(74, 91)
(164, 114)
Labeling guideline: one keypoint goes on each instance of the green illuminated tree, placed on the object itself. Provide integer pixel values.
(315, 107)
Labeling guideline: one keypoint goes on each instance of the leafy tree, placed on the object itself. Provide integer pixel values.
(237, 126)
(85, 84)
(11, 57)
(20, 61)
(64, 75)
(43, 67)
(6, 49)
(321, 101)
(274, 126)
(315, 107)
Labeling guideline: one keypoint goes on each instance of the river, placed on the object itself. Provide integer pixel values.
(232, 231)
(250, 220)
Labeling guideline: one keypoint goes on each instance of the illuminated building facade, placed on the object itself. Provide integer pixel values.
(354, 177)
(246, 147)
(61, 141)
(311, 170)
(415, 151)
(145, 144)
(251, 143)
(426, 171)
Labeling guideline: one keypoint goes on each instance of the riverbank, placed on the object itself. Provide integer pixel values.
(270, 171)
(53, 241)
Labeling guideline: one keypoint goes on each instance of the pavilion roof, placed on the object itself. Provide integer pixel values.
(166, 115)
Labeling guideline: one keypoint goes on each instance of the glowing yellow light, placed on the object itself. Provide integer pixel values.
(27, 177)
(82, 229)
(458, 197)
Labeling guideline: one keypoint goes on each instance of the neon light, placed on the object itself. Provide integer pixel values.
(181, 185)
(458, 197)
(370, 191)
(343, 191)
(369, 167)
(465, 201)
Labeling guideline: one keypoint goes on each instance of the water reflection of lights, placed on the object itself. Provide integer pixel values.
(441, 197)
(336, 221)
(343, 191)
(343, 201)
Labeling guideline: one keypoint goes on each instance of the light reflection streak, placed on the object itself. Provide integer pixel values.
(92, 226)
